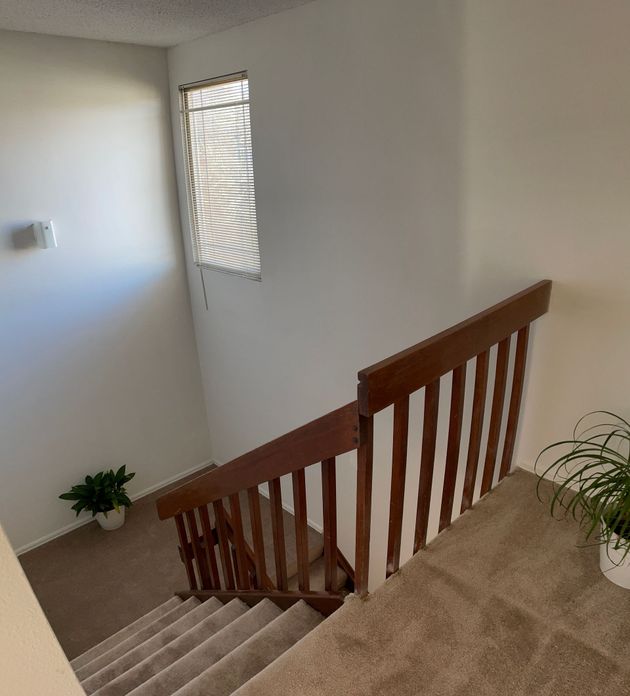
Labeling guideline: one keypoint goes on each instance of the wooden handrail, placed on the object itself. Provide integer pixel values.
(395, 379)
(488, 337)
(324, 438)
(389, 380)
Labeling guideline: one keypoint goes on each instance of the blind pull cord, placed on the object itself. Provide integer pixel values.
(203, 285)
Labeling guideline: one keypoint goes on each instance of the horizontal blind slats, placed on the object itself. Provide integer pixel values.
(217, 133)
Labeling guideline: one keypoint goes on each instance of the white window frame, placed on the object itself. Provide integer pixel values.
(194, 225)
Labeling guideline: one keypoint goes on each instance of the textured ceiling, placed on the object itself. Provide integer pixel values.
(150, 22)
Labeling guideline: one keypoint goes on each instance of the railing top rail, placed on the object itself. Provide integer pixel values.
(324, 438)
(404, 373)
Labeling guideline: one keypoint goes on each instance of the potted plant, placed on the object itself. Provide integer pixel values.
(591, 481)
(103, 495)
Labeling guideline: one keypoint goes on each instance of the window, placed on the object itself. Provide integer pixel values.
(218, 142)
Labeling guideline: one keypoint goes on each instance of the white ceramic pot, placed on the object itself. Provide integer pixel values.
(111, 520)
(613, 564)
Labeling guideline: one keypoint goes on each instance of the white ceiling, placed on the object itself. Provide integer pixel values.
(150, 22)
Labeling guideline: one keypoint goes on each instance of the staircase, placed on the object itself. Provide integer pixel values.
(188, 647)
(260, 581)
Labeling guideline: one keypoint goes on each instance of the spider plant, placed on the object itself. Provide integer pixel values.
(591, 478)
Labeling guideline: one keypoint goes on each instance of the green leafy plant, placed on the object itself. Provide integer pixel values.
(103, 492)
(591, 478)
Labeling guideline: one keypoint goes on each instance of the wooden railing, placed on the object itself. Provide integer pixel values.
(393, 380)
(208, 546)
(222, 542)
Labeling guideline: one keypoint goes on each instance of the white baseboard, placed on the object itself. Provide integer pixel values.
(291, 510)
(527, 466)
(80, 521)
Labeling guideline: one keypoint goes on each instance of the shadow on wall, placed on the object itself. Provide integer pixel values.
(22, 237)
(90, 382)
(98, 363)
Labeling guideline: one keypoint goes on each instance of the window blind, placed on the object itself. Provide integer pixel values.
(218, 142)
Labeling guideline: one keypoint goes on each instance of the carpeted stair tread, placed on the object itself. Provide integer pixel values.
(211, 651)
(317, 577)
(152, 645)
(315, 551)
(124, 633)
(166, 656)
(136, 638)
(244, 662)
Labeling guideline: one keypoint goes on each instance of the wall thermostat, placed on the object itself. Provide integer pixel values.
(45, 234)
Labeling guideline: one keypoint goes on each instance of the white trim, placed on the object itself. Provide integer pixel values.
(291, 510)
(82, 521)
(529, 467)
(526, 466)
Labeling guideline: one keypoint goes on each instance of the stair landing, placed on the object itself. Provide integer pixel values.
(503, 602)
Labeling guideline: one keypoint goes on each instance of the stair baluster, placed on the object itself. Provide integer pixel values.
(351, 428)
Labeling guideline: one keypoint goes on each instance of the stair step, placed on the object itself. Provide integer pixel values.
(252, 656)
(210, 652)
(124, 633)
(136, 638)
(315, 551)
(150, 646)
(317, 577)
(166, 656)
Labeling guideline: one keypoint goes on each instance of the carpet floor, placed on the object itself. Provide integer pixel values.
(503, 602)
(91, 583)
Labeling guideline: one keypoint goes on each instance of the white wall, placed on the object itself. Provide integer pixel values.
(31, 659)
(548, 192)
(98, 363)
(415, 162)
(355, 117)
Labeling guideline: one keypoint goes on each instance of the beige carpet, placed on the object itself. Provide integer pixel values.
(502, 603)
(189, 648)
